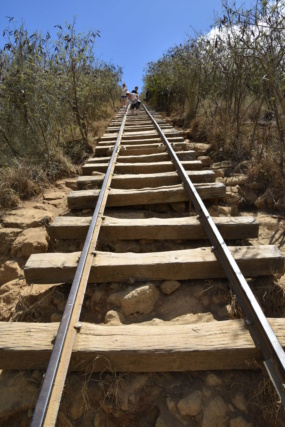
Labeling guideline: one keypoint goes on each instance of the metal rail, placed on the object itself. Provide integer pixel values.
(255, 320)
(47, 405)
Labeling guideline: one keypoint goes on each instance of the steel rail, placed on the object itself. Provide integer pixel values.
(48, 403)
(255, 320)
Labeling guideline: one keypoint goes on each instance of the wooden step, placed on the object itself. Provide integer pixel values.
(85, 199)
(158, 157)
(149, 149)
(102, 150)
(187, 264)
(144, 180)
(140, 168)
(189, 228)
(137, 348)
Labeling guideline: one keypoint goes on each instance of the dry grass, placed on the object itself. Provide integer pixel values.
(265, 397)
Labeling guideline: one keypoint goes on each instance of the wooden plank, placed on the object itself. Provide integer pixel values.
(159, 157)
(149, 149)
(187, 264)
(85, 199)
(137, 348)
(108, 149)
(189, 228)
(126, 167)
(144, 180)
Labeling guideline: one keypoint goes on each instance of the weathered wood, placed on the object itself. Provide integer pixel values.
(158, 157)
(152, 167)
(132, 135)
(85, 199)
(185, 264)
(189, 228)
(144, 180)
(103, 150)
(137, 348)
(150, 149)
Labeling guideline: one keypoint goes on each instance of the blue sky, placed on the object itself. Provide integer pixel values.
(133, 32)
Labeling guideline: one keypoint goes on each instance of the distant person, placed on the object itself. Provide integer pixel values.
(147, 96)
(124, 96)
(135, 102)
(135, 89)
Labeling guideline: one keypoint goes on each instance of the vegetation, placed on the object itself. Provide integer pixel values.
(229, 86)
(51, 92)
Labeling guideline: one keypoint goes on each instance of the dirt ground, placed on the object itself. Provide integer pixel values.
(207, 399)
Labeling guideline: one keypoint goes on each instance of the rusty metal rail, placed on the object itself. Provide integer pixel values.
(255, 320)
(50, 395)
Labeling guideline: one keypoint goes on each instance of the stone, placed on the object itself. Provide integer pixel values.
(30, 241)
(169, 286)
(213, 381)
(160, 422)
(264, 201)
(237, 179)
(240, 402)
(17, 394)
(63, 421)
(171, 405)
(215, 413)
(114, 318)
(255, 186)
(138, 300)
(206, 160)
(191, 404)
(240, 422)
(281, 202)
(27, 217)
(10, 271)
(219, 173)
(7, 237)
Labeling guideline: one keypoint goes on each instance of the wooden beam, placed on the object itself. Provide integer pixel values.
(128, 181)
(103, 150)
(86, 199)
(137, 348)
(187, 228)
(158, 157)
(123, 166)
(187, 264)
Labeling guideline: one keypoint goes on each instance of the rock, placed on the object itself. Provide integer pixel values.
(264, 201)
(213, 381)
(169, 286)
(55, 317)
(53, 195)
(30, 241)
(7, 237)
(10, 271)
(237, 179)
(219, 173)
(17, 394)
(191, 404)
(240, 402)
(242, 167)
(255, 186)
(160, 422)
(138, 300)
(114, 318)
(77, 407)
(71, 183)
(206, 160)
(63, 421)
(171, 405)
(215, 413)
(281, 202)
(27, 218)
(201, 148)
(250, 197)
(231, 196)
(239, 422)
(178, 206)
